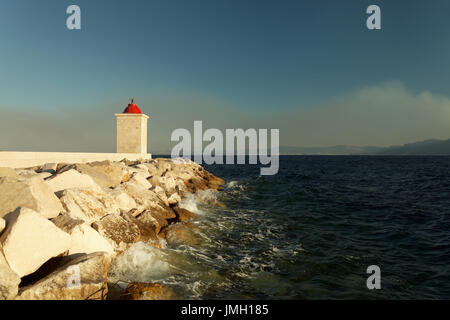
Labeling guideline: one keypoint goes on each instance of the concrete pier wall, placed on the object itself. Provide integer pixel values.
(30, 159)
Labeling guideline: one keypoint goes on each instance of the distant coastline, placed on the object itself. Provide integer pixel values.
(427, 147)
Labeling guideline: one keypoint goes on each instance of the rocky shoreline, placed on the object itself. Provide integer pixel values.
(61, 225)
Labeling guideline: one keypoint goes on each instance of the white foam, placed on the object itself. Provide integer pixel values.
(141, 262)
(192, 200)
(196, 288)
(190, 203)
(231, 184)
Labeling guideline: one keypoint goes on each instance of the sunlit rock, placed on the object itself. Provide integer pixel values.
(118, 231)
(29, 240)
(71, 179)
(88, 205)
(31, 193)
(8, 172)
(9, 280)
(80, 277)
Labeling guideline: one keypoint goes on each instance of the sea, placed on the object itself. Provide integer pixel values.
(311, 232)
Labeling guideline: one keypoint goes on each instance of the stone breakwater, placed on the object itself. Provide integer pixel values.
(61, 225)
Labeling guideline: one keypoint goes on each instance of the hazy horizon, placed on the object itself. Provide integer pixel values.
(311, 69)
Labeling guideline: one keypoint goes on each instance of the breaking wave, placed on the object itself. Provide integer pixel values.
(195, 202)
(227, 249)
(140, 262)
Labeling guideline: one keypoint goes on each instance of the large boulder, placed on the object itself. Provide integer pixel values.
(9, 280)
(182, 233)
(71, 179)
(99, 178)
(195, 177)
(155, 220)
(119, 232)
(106, 174)
(183, 214)
(147, 232)
(122, 199)
(113, 170)
(8, 172)
(145, 199)
(31, 193)
(162, 195)
(85, 239)
(30, 240)
(151, 222)
(167, 182)
(88, 205)
(80, 277)
(181, 176)
(139, 179)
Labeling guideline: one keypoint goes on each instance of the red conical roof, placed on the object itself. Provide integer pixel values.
(132, 108)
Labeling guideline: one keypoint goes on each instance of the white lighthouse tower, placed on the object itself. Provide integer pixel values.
(131, 130)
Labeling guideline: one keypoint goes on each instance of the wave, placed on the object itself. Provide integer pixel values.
(194, 201)
(141, 262)
(238, 248)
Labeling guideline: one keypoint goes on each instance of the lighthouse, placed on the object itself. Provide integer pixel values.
(131, 130)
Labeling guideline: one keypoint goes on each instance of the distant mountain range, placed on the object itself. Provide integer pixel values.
(427, 147)
(334, 150)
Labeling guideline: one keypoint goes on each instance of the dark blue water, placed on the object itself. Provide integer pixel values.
(311, 231)
(333, 216)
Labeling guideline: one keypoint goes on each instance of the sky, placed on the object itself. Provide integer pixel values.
(309, 68)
